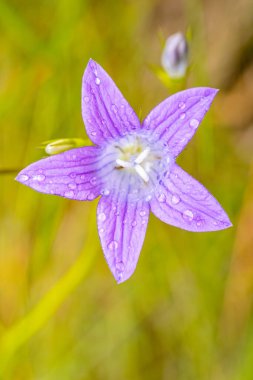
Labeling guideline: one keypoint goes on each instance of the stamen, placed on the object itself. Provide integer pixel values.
(123, 164)
(139, 170)
(139, 159)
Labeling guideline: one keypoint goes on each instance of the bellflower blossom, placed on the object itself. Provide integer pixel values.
(132, 167)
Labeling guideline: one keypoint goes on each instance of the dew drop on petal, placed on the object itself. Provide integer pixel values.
(120, 266)
(181, 105)
(101, 231)
(101, 217)
(86, 99)
(69, 194)
(142, 213)
(148, 198)
(188, 215)
(114, 108)
(23, 177)
(194, 123)
(175, 199)
(97, 81)
(39, 177)
(90, 197)
(113, 245)
(72, 175)
(72, 185)
(134, 223)
(161, 198)
(93, 180)
(105, 192)
(93, 133)
(182, 116)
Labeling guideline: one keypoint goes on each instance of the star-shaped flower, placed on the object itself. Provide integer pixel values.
(132, 167)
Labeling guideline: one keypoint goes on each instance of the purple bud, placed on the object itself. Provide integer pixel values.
(175, 56)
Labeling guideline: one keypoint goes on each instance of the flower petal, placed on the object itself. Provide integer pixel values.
(75, 174)
(175, 120)
(185, 203)
(122, 226)
(106, 113)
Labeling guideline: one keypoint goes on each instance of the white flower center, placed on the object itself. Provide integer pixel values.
(139, 164)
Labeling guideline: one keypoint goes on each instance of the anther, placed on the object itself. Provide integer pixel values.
(142, 173)
(139, 159)
(123, 164)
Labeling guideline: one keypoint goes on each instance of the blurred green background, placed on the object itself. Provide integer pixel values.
(186, 314)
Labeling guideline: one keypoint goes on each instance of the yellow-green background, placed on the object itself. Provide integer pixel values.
(186, 314)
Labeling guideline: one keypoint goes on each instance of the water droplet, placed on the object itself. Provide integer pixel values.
(182, 116)
(97, 81)
(114, 108)
(72, 185)
(23, 177)
(120, 266)
(105, 192)
(39, 177)
(101, 231)
(175, 199)
(113, 245)
(168, 160)
(101, 217)
(181, 105)
(86, 99)
(90, 197)
(188, 215)
(142, 213)
(93, 180)
(69, 194)
(93, 133)
(148, 198)
(161, 198)
(144, 221)
(72, 175)
(194, 123)
(134, 223)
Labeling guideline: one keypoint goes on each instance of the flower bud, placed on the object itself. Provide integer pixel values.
(175, 56)
(61, 145)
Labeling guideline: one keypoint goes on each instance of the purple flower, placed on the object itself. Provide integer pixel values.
(132, 165)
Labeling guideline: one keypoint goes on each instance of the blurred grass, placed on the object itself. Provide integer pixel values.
(187, 311)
